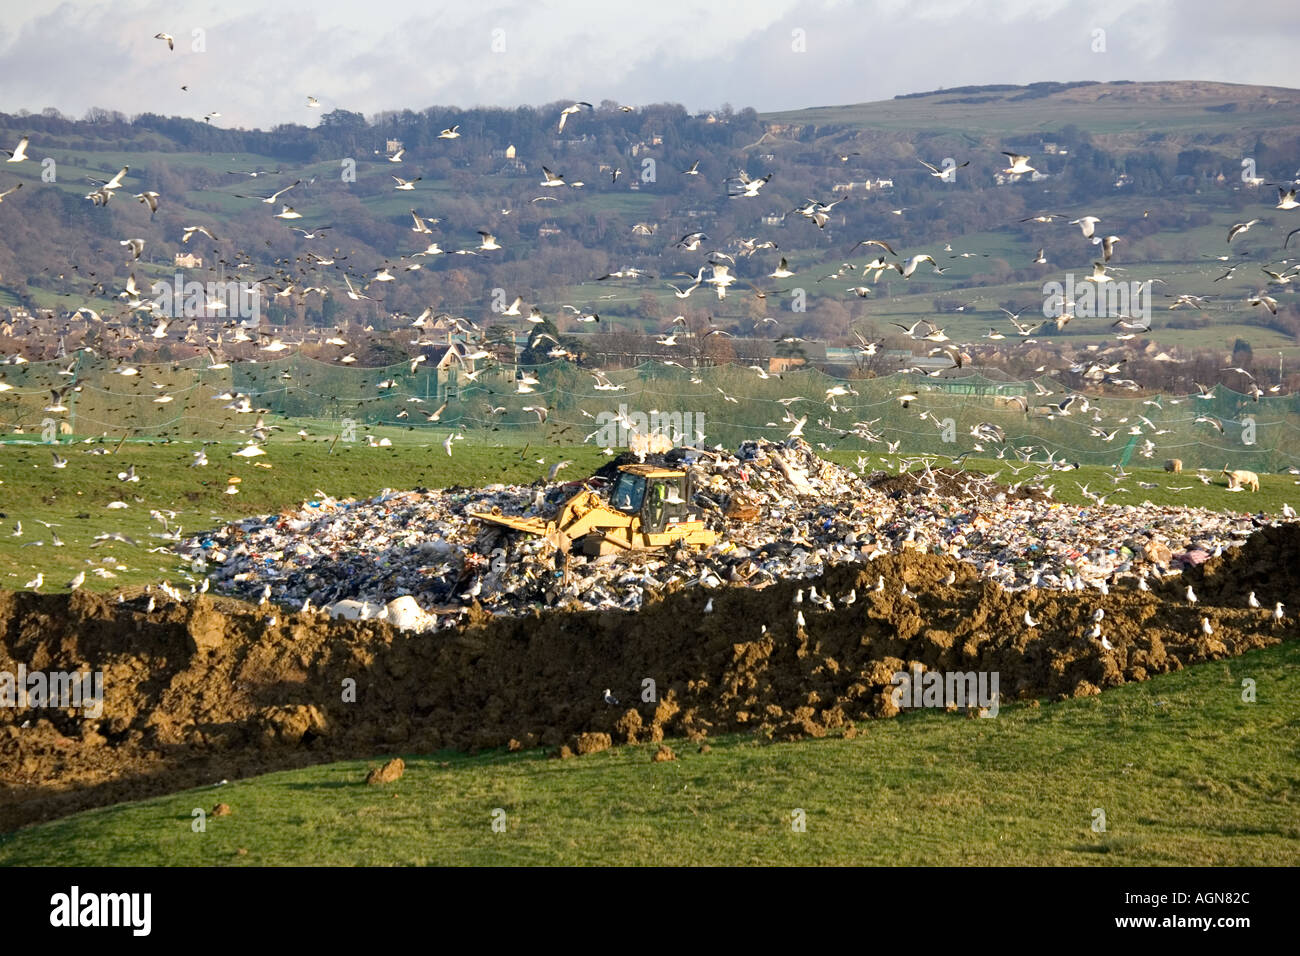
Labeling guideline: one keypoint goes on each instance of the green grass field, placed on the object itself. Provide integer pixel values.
(1123, 112)
(1184, 771)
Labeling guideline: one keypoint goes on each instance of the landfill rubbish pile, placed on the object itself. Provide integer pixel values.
(780, 511)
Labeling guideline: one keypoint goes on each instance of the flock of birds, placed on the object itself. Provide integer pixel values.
(322, 274)
(316, 274)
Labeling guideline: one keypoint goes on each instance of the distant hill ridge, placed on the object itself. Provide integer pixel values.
(1042, 88)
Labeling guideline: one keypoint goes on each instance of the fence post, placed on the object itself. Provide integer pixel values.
(1128, 451)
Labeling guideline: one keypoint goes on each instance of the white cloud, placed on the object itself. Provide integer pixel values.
(261, 64)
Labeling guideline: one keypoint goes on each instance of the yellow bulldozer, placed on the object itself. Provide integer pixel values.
(648, 508)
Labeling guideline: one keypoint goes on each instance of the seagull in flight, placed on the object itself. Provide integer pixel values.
(782, 271)
(1266, 301)
(874, 242)
(906, 270)
(941, 173)
(112, 184)
(552, 179)
(1087, 225)
(749, 187)
(569, 111)
(1240, 227)
(1019, 164)
(270, 200)
(191, 230)
(19, 153)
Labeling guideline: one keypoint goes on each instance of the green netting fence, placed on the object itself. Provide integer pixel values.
(723, 404)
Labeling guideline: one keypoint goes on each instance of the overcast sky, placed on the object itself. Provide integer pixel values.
(262, 58)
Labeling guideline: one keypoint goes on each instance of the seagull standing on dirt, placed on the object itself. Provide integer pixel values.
(1191, 595)
(609, 698)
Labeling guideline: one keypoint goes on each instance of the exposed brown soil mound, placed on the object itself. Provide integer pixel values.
(947, 482)
(1266, 566)
(199, 692)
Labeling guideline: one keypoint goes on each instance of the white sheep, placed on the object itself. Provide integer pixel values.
(1241, 479)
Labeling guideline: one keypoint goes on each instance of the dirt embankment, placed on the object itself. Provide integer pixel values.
(208, 690)
(946, 482)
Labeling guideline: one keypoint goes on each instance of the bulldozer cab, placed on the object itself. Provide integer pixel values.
(660, 495)
(628, 493)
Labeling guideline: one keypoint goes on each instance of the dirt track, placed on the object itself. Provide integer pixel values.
(199, 692)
